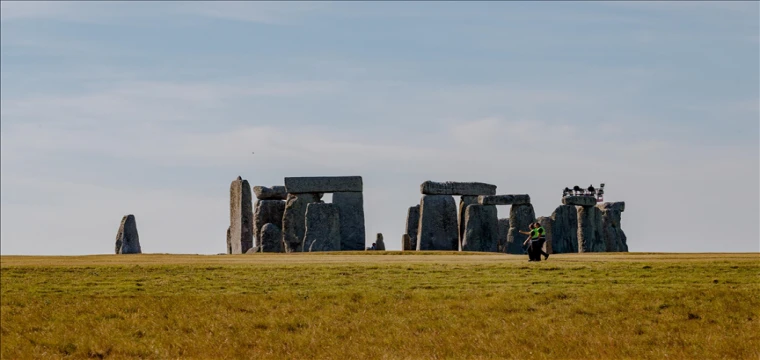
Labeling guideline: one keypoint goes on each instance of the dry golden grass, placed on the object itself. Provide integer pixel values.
(375, 305)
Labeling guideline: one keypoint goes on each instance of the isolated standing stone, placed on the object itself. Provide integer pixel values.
(612, 234)
(270, 193)
(438, 223)
(546, 222)
(271, 238)
(241, 217)
(294, 220)
(521, 199)
(503, 231)
(406, 242)
(323, 184)
(464, 201)
(322, 227)
(457, 188)
(481, 229)
(229, 245)
(379, 243)
(565, 229)
(579, 200)
(127, 239)
(590, 229)
(266, 211)
(351, 208)
(412, 225)
(520, 218)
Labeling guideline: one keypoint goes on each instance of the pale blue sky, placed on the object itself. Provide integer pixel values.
(152, 108)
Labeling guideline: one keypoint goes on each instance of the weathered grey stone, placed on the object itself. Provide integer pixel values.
(253, 250)
(503, 231)
(406, 242)
(229, 245)
(412, 225)
(520, 218)
(270, 193)
(481, 228)
(294, 220)
(241, 217)
(323, 184)
(546, 222)
(464, 201)
(617, 206)
(590, 237)
(266, 211)
(271, 238)
(438, 223)
(565, 229)
(612, 234)
(322, 227)
(127, 239)
(579, 200)
(504, 199)
(379, 243)
(457, 188)
(351, 208)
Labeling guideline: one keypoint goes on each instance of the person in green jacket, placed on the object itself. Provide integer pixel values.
(537, 238)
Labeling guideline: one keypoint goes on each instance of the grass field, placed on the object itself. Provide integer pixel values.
(369, 306)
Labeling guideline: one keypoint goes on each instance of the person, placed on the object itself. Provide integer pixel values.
(374, 246)
(537, 238)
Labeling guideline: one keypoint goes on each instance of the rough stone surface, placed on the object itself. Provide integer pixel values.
(547, 222)
(229, 245)
(266, 211)
(565, 229)
(379, 243)
(294, 220)
(253, 250)
(457, 188)
(503, 231)
(617, 206)
(481, 228)
(351, 208)
(520, 218)
(590, 237)
(270, 193)
(127, 239)
(612, 234)
(406, 242)
(412, 225)
(579, 200)
(241, 217)
(504, 199)
(271, 238)
(438, 223)
(323, 184)
(464, 202)
(322, 227)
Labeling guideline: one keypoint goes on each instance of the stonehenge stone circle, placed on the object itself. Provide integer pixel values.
(464, 202)
(481, 229)
(323, 184)
(322, 227)
(412, 225)
(546, 222)
(613, 235)
(379, 243)
(266, 211)
(457, 188)
(520, 218)
(241, 217)
(438, 223)
(579, 200)
(503, 231)
(565, 229)
(351, 208)
(270, 193)
(271, 238)
(504, 199)
(294, 220)
(589, 229)
(406, 242)
(127, 239)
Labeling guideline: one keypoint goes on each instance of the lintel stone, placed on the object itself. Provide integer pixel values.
(323, 184)
(457, 188)
(504, 199)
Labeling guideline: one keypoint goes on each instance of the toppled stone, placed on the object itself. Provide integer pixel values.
(253, 250)
(579, 200)
(379, 243)
(520, 218)
(241, 217)
(412, 225)
(294, 220)
(565, 229)
(270, 193)
(266, 211)
(481, 228)
(546, 222)
(127, 239)
(322, 227)
(590, 237)
(323, 184)
(503, 231)
(271, 238)
(438, 223)
(464, 202)
(504, 199)
(351, 208)
(457, 188)
(406, 242)
(612, 234)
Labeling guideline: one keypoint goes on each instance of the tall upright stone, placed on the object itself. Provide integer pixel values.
(590, 237)
(406, 242)
(379, 243)
(481, 228)
(271, 238)
(464, 201)
(438, 223)
(265, 212)
(503, 231)
(412, 225)
(322, 227)
(612, 233)
(241, 217)
(127, 239)
(229, 243)
(546, 222)
(565, 229)
(294, 220)
(351, 208)
(520, 218)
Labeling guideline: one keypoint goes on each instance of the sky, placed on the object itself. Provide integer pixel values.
(153, 108)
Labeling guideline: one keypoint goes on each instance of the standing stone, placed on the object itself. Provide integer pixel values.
(520, 218)
(294, 220)
(546, 223)
(379, 243)
(482, 228)
(464, 201)
(127, 239)
(590, 229)
(503, 231)
(406, 242)
(438, 223)
(565, 229)
(266, 211)
(271, 238)
(612, 234)
(351, 208)
(241, 217)
(322, 227)
(229, 244)
(412, 225)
